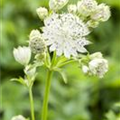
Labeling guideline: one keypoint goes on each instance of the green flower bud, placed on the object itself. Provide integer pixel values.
(42, 12)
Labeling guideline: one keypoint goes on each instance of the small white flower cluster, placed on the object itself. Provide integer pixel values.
(65, 34)
(91, 11)
(96, 66)
(19, 117)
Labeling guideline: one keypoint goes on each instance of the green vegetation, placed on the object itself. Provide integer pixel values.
(82, 98)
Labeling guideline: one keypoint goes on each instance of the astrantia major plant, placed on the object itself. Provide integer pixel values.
(60, 41)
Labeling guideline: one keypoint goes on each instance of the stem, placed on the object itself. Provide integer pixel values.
(31, 103)
(47, 89)
(67, 62)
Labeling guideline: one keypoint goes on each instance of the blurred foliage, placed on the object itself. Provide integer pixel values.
(83, 98)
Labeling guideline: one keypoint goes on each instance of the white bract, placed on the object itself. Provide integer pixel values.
(65, 33)
(42, 12)
(57, 4)
(102, 13)
(19, 117)
(22, 55)
(86, 7)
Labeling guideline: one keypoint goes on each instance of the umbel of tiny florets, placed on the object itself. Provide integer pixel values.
(37, 43)
(96, 65)
(65, 34)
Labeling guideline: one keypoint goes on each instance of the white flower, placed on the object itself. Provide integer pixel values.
(19, 117)
(72, 8)
(57, 4)
(98, 66)
(42, 12)
(22, 55)
(37, 43)
(65, 33)
(102, 13)
(86, 7)
(85, 69)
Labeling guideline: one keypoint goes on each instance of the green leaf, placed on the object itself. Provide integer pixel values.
(20, 80)
(63, 75)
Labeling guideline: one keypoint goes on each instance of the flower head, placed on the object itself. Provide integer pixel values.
(102, 13)
(57, 4)
(22, 55)
(97, 65)
(19, 117)
(65, 33)
(37, 43)
(42, 12)
(86, 7)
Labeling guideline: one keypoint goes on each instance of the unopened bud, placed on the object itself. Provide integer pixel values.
(42, 12)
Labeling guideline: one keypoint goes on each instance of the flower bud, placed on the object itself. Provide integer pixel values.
(30, 70)
(86, 7)
(56, 5)
(96, 55)
(37, 43)
(85, 69)
(72, 8)
(92, 23)
(22, 55)
(19, 117)
(98, 67)
(102, 13)
(95, 65)
(42, 12)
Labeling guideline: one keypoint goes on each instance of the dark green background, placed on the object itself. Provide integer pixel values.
(83, 98)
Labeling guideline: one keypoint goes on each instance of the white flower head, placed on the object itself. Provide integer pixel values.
(86, 7)
(65, 34)
(72, 8)
(102, 13)
(56, 5)
(37, 43)
(42, 12)
(22, 55)
(98, 66)
(19, 117)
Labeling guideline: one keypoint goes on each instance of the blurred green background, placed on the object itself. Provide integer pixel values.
(83, 98)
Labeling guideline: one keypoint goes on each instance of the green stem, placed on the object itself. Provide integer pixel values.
(67, 62)
(31, 103)
(47, 89)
